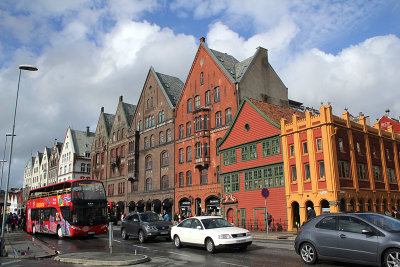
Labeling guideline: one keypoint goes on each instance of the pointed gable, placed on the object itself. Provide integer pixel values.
(82, 141)
(170, 86)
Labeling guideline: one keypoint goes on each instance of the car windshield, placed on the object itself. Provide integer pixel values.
(212, 223)
(149, 217)
(386, 223)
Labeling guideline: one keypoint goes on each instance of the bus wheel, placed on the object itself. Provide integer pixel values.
(59, 232)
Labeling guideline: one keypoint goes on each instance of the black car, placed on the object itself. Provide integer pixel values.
(363, 238)
(145, 225)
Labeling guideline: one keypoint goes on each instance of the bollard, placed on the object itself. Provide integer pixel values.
(110, 236)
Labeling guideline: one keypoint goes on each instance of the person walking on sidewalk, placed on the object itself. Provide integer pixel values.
(310, 213)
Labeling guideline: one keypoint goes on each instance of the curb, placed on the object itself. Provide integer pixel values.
(91, 258)
(36, 241)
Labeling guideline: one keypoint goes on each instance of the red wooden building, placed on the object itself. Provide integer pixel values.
(250, 160)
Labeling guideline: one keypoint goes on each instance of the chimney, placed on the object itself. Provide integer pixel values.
(120, 98)
(102, 109)
(87, 130)
(202, 40)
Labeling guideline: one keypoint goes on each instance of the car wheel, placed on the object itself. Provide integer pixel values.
(210, 247)
(60, 232)
(392, 257)
(141, 237)
(124, 234)
(177, 241)
(308, 253)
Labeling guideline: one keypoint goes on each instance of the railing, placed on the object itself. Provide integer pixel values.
(278, 225)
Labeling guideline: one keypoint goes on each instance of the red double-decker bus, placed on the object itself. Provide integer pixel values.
(70, 208)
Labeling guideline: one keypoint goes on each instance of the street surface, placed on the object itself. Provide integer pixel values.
(260, 253)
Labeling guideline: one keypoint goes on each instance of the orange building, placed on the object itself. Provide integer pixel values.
(334, 164)
(214, 87)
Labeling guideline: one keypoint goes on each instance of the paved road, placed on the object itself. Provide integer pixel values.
(260, 253)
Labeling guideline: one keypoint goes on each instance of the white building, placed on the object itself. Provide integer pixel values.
(35, 171)
(27, 183)
(44, 167)
(74, 160)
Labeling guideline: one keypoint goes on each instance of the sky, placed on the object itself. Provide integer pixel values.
(346, 53)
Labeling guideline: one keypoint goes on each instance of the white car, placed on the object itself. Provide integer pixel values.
(210, 231)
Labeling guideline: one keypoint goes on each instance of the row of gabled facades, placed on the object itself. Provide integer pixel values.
(209, 145)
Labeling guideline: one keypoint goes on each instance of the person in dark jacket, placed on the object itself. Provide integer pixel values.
(310, 213)
(395, 213)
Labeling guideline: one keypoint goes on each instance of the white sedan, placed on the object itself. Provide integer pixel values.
(210, 231)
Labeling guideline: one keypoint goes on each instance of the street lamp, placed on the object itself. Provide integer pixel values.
(21, 67)
(4, 161)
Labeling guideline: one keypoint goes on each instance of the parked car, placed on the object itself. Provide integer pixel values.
(210, 231)
(145, 225)
(364, 238)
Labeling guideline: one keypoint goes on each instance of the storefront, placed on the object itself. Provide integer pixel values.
(185, 206)
(157, 206)
(213, 205)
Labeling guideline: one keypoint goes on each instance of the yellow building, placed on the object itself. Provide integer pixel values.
(335, 164)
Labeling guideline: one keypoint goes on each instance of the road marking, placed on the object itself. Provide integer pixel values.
(117, 241)
(10, 262)
(140, 246)
(233, 264)
(178, 254)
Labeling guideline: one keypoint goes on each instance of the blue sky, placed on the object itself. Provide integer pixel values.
(88, 53)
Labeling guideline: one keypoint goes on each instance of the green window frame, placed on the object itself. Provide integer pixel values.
(267, 176)
(271, 147)
(249, 152)
(231, 183)
(229, 157)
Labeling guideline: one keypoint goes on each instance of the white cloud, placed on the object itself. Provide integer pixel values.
(361, 77)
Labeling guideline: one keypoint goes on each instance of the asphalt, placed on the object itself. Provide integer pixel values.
(21, 245)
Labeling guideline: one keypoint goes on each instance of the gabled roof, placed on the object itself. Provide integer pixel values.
(129, 111)
(39, 156)
(82, 141)
(227, 61)
(47, 151)
(31, 160)
(272, 113)
(171, 86)
(108, 122)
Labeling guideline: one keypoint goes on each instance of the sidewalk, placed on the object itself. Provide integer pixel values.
(275, 235)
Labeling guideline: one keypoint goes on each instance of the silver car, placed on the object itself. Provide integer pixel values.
(364, 238)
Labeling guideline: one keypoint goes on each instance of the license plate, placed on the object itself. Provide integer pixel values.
(164, 232)
(91, 233)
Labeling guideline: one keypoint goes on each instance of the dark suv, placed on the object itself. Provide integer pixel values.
(145, 225)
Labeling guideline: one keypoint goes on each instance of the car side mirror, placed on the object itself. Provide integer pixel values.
(199, 227)
(367, 232)
(135, 220)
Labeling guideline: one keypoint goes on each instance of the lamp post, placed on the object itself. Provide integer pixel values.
(4, 161)
(21, 67)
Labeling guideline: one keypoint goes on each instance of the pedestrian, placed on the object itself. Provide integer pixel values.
(166, 217)
(123, 216)
(269, 218)
(9, 221)
(310, 213)
(395, 213)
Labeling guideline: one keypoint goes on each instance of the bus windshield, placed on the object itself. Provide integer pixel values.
(88, 190)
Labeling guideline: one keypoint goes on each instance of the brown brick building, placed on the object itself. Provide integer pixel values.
(151, 145)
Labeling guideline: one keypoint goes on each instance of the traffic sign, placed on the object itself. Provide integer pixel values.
(265, 192)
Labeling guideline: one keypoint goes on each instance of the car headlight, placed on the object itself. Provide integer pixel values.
(224, 236)
(248, 234)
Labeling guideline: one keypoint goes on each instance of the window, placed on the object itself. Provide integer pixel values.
(181, 155)
(216, 94)
(319, 144)
(269, 176)
(164, 159)
(327, 223)
(188, 178)
(148, 184)
(119, 135)
(321, 169)
(114, 137)
(83, 167)
(148, 164)
(374, 152)
(169, 135)
(121, 188)
(110, 190)
(344, 169)
(161, 116)
(206, 149)
(205, 120)
(208, 98)
(196, 124)
(218, 119)
(294, 173)
(164, 182)
(152, 140)
(181, 179)
(146, 142)
(201, 78)
(391, 176)
(352, 225)
(358, 147)
(188, 154)
(181, 131)
(305, 148)
(361, 173)
(131, 146)
(291, 150)
(135, 186)
(387, 154)
(307, 171)
(188, 129)
(198, 151)
(139, 126)
(161, 138)
(340, 144)
(147, 123)
(197, 102)
(189, 105)
(231, 183)
(377, 173)
(229, 157)
(271, 147)
(204, 176)
(152, 121)
(249, 152)
(228, 116)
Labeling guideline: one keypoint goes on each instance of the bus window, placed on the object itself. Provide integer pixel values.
(88, 190)
(34, 215)
(66, 213)
(46, 214)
